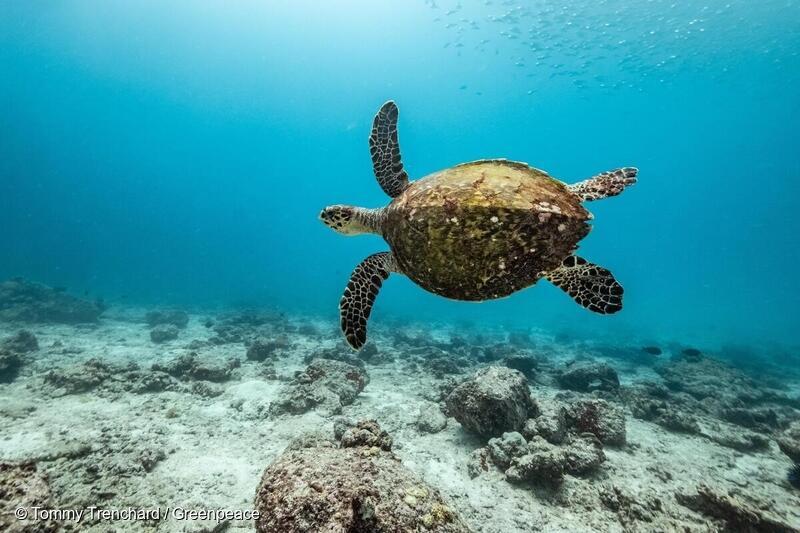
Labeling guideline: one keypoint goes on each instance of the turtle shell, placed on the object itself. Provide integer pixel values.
(483, 230)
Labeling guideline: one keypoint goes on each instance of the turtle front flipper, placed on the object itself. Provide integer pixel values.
(385, 151)
(590, 285)
(359, 295)
(603, 185)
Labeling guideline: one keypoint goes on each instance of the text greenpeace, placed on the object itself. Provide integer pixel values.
(153, 514)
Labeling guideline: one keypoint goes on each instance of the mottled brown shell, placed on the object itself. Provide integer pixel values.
(483, 230)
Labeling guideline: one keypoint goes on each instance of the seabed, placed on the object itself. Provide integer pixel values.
(156, 409)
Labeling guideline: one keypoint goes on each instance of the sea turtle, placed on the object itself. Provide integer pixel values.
(475, 231)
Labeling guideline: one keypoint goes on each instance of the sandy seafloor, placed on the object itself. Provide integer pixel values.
(216, 447)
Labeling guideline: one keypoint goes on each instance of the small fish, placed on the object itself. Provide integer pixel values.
(692, 352)
(652, 350)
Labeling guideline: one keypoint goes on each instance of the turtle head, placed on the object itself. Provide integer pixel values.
(349, 220)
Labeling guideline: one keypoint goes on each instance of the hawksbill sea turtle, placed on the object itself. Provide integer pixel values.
(476, 231)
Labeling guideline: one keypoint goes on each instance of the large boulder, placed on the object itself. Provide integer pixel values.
(587, 376)
(25, 301)
(493, 401)
(318, 487)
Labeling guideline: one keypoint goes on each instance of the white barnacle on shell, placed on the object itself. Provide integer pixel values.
(547, 207)
(495, 219)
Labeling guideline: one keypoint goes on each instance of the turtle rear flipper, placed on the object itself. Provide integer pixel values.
(590, 285)
(359, 295)
(603, 185)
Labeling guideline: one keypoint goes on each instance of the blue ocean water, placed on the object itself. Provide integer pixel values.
(179, 153)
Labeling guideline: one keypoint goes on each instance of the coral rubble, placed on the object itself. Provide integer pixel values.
(325, 383)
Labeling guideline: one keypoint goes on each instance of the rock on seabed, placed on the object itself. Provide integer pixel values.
(355, 489)
(491, 402)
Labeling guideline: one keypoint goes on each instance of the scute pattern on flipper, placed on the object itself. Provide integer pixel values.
(384, 148)
(604, 185)
(359, 296)
(590, 285)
